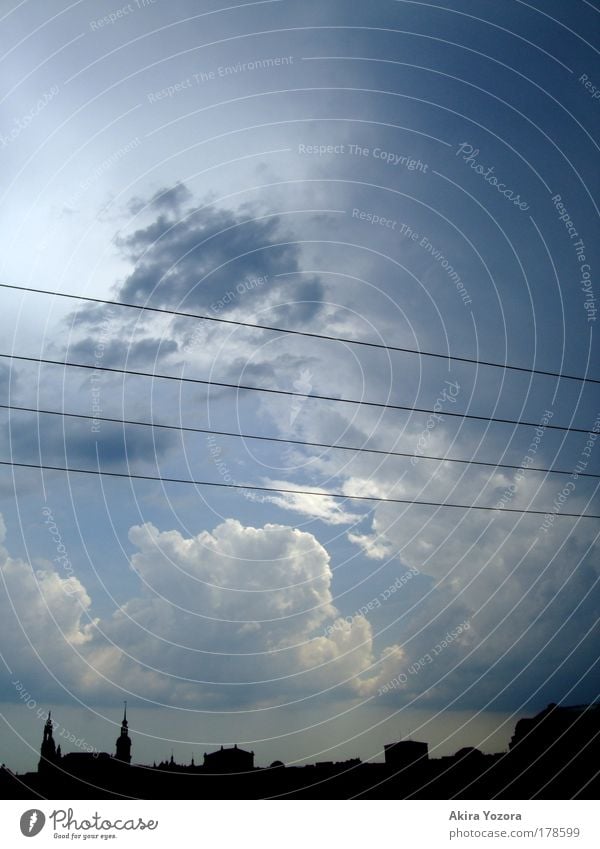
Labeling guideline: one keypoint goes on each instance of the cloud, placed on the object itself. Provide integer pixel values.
(44, 614)
(528, 596)
(55, 441)
(197, 257)
(260, 598)
(275, 574)
(168, 199)
(375, 546)
(323, 507)
(348, 645)
(117, 352)
(214, 259)
(239, 616)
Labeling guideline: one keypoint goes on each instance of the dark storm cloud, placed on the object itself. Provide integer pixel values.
(523, 645)
(213, 259)
(34, 440)
(120, 353)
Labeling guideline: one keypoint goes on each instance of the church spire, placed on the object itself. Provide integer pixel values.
(48, 753)
(123, 743)
(48, 739)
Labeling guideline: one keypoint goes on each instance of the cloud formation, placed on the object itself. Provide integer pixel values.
(235, 606)
(214, 259)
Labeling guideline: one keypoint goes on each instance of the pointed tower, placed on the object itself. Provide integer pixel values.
(123, 741)
(48, 754)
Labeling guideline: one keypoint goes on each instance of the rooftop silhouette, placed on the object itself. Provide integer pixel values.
(554, 754)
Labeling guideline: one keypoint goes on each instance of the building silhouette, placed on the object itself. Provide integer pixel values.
(406, 753)
(558, 730)
(123, 744)
(231, 760)
(49, 754)
(555, 755)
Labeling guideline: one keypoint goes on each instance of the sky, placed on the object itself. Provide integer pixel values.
(415, 175)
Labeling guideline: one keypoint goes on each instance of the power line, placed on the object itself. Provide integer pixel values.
(288, 393)
(280, 490)
(300, 442)
(306, 333)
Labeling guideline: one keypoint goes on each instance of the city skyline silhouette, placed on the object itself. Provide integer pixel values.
(554, 754)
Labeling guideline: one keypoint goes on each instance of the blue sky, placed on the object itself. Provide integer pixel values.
(419, 175)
